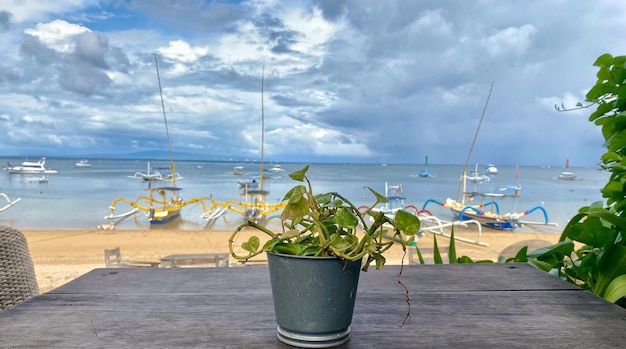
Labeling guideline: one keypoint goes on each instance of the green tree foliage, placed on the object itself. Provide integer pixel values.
(591, 252)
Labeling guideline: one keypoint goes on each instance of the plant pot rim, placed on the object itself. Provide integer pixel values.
(305, 257)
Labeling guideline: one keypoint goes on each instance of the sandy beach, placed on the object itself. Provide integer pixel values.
(62, 255)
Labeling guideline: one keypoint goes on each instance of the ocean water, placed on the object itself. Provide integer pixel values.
(79, 198)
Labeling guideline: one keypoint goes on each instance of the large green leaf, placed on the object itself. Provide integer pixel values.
(295, 209)
(553, 255)
(613, 265)
(300, 174)
(292, 249)
(604, 60)
(345, 218)
(407, 222)
(616, 289)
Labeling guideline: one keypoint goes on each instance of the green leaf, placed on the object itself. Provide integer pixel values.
(323, 199)
(252, 245)
(419, 255)
(290, 234)
(452, 248)
(295, 209)
(295, 194)
(436, 254)
(616, 289)
(613, 264)
(284, 248)
(521, 256)
(380, 260)
(604, 60)
(345, 218)
(407, 222)
(300, 174)
(380, 199)
(541, 265)
(552, 255)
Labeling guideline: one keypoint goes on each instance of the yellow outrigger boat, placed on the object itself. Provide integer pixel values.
(254, 207)
(162, 204)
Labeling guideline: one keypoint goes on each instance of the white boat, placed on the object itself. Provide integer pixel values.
(491, 169)
(42, 179)
(276, 169)
(82, 163)
(28, 167)
(567, 176)
(156, 175)
(477, 177)
(238, 170)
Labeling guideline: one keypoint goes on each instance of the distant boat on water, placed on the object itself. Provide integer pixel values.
(28, 167)
(476, 177)
(238, 171)
(491, 169)
(425, 172)
(276, 169)
(567, 176)
(82, 163)
(42, 179)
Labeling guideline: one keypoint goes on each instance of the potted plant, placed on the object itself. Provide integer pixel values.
(316, 257)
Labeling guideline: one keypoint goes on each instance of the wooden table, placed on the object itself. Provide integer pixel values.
(452, 306)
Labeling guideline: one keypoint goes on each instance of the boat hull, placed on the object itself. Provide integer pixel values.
(160, 217)
(19, 170)
(487, 220)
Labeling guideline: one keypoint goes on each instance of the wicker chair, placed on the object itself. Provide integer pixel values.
(17, 273)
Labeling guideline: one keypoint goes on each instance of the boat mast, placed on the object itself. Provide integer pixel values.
(262, 129)
(462, 184)
(167, 132)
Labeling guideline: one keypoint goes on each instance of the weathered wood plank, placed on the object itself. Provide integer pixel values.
(483, 306)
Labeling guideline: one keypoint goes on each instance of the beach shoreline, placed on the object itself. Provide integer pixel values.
(60, 256)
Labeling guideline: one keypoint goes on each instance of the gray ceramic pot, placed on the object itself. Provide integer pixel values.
(313, 299)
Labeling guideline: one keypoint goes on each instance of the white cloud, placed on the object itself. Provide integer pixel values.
(57, 34)
(180, 50)
(510, 41)
(36, 10)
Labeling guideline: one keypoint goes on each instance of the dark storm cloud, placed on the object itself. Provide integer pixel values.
(8, 74)
(32, 48)
(331, 9)
(92, 48)
(6, 20)
(288, 101)
(82, 70)
(279, 38)
(83, 79)
(193, 16)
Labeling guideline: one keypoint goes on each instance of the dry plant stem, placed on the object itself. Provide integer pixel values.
(407, 299)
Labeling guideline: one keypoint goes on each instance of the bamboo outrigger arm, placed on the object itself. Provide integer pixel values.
(9, 202)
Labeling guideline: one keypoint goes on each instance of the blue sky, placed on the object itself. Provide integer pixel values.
(345, 81)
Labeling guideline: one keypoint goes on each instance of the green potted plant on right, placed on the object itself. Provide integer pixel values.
(316, 257)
